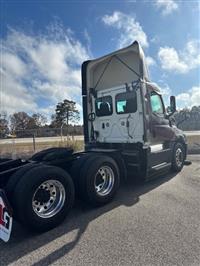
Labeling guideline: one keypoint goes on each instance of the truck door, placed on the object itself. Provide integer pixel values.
(119, 116)
(161, 132)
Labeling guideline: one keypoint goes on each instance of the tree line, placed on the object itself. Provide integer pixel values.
(21, 124)
(188, 119)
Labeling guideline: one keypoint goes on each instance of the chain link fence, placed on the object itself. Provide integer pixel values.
(24, 143)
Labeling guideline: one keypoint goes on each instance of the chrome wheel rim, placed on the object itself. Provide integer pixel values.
(49, 198)
(179, 157)
(104, 181)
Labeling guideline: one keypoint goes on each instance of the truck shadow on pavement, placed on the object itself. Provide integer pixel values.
(32, 249)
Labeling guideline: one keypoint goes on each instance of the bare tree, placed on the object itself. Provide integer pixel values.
(39, 120)
(19, 121)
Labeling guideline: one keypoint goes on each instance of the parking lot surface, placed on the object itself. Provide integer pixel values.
(156, 223)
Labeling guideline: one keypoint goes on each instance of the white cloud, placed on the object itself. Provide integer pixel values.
(170, 60)
(189, 98)
(37, 68)
(79, 107)
(165, 90)
(150, 61)
(88, 39)
(13, 93)
(13, 64)
(166, 6)
(181, 61)
(130, 29)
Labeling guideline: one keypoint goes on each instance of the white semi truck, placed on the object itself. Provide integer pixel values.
(127, 134)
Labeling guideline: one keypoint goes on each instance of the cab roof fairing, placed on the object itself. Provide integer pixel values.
(90, 65)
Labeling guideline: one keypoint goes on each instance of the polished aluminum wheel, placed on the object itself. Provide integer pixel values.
(179, 157)
(104, 181)
(48, 198)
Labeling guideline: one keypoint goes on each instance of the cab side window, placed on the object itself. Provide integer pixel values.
(103, 106)
(156, 104)
(126, 102)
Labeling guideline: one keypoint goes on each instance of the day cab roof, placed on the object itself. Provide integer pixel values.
(119, 67)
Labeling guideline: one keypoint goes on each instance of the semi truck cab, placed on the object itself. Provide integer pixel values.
(124, 110)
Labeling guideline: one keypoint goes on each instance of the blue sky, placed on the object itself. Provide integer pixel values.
(43, 44)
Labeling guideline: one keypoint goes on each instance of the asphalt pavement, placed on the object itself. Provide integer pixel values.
(156, 223)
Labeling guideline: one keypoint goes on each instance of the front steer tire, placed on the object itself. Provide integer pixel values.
(92, 172)
(29, 184)
(178, 157)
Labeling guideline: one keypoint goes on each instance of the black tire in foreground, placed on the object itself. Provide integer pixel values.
(178, 157)
(14, 179)
(99, 180)
(43, 197)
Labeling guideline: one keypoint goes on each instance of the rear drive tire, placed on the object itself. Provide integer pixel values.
(77, 165)
(178, 157)
(43, 197)
(14, 179)
(99, 180)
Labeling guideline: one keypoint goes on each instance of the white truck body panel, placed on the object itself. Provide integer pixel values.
(116, 130)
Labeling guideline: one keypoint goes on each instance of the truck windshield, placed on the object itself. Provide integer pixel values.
(156, 103)
(103, 106)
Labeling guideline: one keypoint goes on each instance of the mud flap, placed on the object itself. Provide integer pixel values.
(5, 217)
